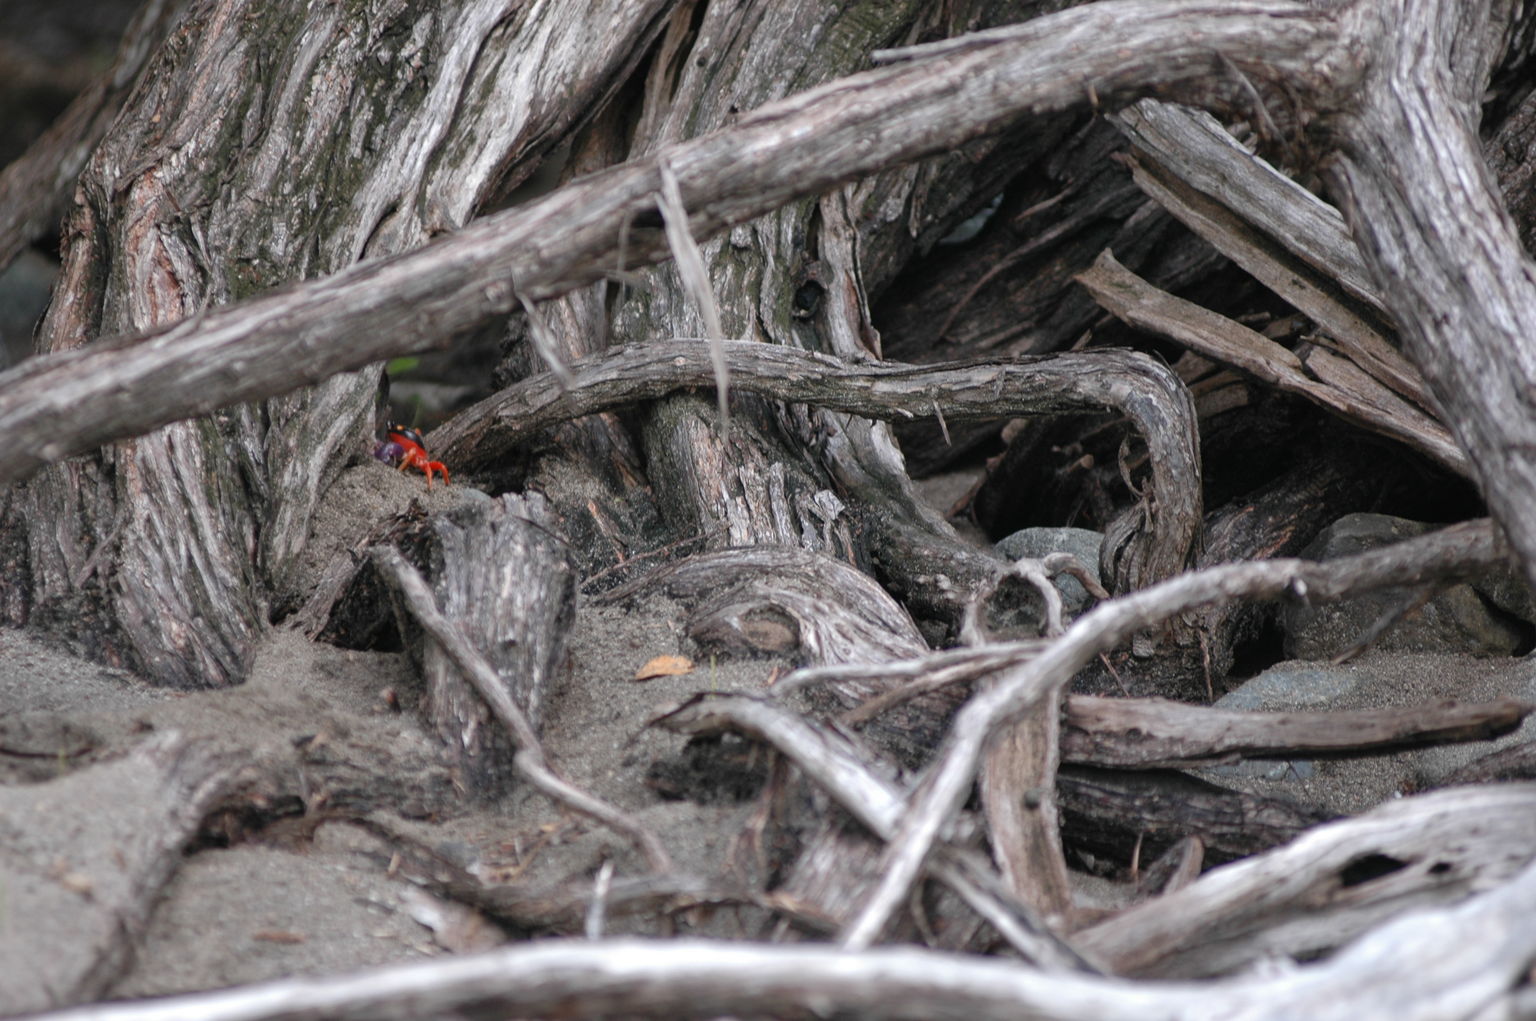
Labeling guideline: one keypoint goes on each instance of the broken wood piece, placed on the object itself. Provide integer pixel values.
(1152, 733)
(1284, 236)
(869, 793)
(1193, 147)
(1119, 814)
(1018, 795)
(88, 854)
(1328, 885)
(1145, 307)
(1457, 551)
(507, 583)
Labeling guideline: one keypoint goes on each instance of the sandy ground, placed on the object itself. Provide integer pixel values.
(325, 899)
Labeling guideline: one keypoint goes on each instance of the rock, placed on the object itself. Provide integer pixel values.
(1460, 619)
(1041, 542)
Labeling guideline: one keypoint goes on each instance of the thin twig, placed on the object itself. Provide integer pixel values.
(690, 268)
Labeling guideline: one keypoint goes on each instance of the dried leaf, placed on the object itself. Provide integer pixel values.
(663, 666)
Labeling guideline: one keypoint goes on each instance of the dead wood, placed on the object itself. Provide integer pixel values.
(1335, 383)
(1138, 387)
(313, 150)
(1156, 733)
(1517, 762)
(1114, 818)
(166, 551)
(482, 676)
(506, 582)
(787, 601)
(1019, 690)
(1265, 222)
(301, 334)
(37, 187)
(87, 855)
(561, 907)
(1023, 825)
(866, 790)
(1431, 67)
(1326, 886)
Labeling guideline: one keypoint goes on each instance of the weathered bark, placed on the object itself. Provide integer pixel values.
(786, 601)
(1326, 886)
(1157, 733)
(1300, 51)
(869, 794)
(389, 124)
(1120, 816)
(1020, 688)
(1476, 960)
(1445, 255)
(488, 684)
(507, 581)
(1157, 542)
(1023, 822)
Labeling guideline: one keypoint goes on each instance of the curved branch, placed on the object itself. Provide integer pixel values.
(1144, 390)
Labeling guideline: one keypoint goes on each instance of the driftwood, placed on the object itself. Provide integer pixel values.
(766, 599)
(479, 673)
(1124, 817)
(308, 332)
(1021, 688)
(1333, 382)
(874, 800)
(506, 580)
(1152, 733)
(1327, 886)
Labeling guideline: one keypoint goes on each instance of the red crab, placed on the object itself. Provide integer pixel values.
(412, 452)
